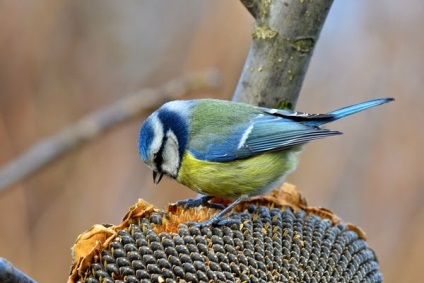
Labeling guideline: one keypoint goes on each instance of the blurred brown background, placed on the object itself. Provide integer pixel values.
(61, 60)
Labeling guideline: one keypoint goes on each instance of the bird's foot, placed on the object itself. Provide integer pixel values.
(215, 221)
(218, 219)
(195, 202)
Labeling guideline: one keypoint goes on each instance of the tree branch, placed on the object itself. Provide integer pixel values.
(284, 36)
(89, 127)
(9, 273)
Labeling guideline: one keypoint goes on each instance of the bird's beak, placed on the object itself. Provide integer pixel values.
(157, 177)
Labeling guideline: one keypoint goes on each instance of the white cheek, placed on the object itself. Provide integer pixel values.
(171, 157)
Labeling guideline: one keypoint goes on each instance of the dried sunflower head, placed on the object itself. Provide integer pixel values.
(280, 239)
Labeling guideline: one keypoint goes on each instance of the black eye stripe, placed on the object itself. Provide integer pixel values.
(158, 158)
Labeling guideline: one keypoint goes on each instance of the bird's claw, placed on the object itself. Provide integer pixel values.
(196, 202)
(217, 219)
(214, 222)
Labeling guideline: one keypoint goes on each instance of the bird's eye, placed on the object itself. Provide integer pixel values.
(155, 156)
(157, 159)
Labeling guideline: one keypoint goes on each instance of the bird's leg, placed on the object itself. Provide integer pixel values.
(203, 200)
(218, 219)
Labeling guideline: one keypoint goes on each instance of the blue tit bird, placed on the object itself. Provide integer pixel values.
(230, 150)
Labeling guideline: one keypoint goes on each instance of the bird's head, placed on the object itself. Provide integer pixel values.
(163, 139)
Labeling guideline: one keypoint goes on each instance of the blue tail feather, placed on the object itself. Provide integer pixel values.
(349, 110)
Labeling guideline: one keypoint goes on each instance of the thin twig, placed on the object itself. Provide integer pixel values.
(50, 148)
(284, 36)
(10, 274)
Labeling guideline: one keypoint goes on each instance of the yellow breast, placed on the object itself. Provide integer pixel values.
(252, 176)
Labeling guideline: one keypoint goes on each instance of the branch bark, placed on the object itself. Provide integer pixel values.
(89, 127)
(284, 36)
(9, 273)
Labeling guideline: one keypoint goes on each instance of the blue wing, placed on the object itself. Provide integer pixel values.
(263, 134)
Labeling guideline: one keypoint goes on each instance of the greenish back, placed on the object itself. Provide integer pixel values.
(217, 120)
